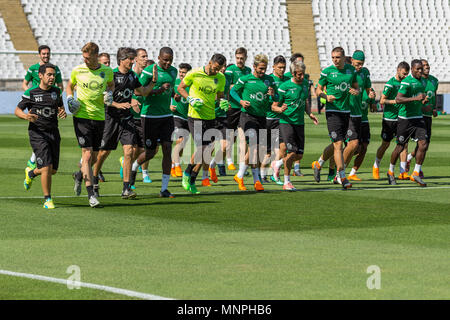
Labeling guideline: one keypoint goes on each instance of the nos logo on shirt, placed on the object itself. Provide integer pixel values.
(207, 89)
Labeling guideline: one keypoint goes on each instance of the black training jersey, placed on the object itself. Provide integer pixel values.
(45, 104)
(124, 85)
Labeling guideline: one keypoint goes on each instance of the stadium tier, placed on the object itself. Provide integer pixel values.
(10, 65)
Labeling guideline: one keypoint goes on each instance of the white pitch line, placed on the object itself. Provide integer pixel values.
(125, 292)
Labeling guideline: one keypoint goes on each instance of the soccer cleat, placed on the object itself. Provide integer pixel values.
(101, 177)
(31, 165)
(185, 181)
(213, 175)
(178, 171)
(391, 178)
(404, 176)
(193, 189)
(139, 169)
(231, 166)
(275, 172)
(172, 173)
(222, 171)
(265, 180)
(77, 183)
(166, 194)
(416, 178)
(316, 167)
(240, 182)
(121, 167)
(93, 202)
(346, 184)
(331, 174)
(279, 182)
(298, 173)
(408, 165)
(133, 187)
(258, 186)
(421, 175)
(337, 180)
(376, 173)
(354, 177)
(206, 183)
(289, 187)
(147, 179)
(28, 181)
(128, 194)
(48, 204)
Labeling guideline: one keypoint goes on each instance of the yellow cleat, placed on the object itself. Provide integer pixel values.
(376, 173)
(49, 204)
(258, 186)
(206, 183)
(404, 176)
(178, 171)
(240, 182)
(353, 177)
(231, 166)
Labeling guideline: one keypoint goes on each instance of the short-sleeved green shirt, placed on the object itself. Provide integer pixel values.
(278, 81)
(338, 83)
(254, 90)
(390, 111)
(158, 106)
(356, 102)
(411, 87)
(430, 89)
(33, 75)
(182, 105)
(295, 96)
(204, 87)
(233, 72)
(90, 87)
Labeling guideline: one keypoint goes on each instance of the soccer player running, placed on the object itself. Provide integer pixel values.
(340, 81)
(431, 88)
(292, 104)
(390, 120)
(206, 85)
(119, 124)
(180, 108)
(255, 92)
(94, 83)
(234, 72)
(32, 76)
(414, 101)
(157, 118)
(45, 106)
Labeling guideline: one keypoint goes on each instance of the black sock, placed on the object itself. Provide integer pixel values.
(188, 170)
(90, 191)
(133, 178)
(126, 186)
(79, 175)
(95, 181)
(47, 197)
(193, 177)
(331, 171)
(31, 174)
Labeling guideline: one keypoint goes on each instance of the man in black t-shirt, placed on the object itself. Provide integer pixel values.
(45, 106)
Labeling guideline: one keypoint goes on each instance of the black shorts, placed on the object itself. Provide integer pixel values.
(411, 128)
(388, 130)
(203, 131)
(222, 126)
(117, 129)
(233, 116)
(89, 132)
(46, 146)
(157, 130)
(354, 129)
(254, 125)
(293, 136)
(181, 128)
(365, 133)
(273, 137)
(139, 136)
(337, 123)
(428, 123)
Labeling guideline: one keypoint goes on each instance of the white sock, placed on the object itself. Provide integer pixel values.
(391, 167)
(177, 164)
(212, 164)
(279, 163)
(287, 179)
(296, 166)
(135, 166)
(33, 158)
(81, 160)
(376, 164)
(229, 161)
(145, 174)
(402, 167)
(418, 168)
(409, 157)
(173, 165)
(263, 172)
(242, 169)
(205, 174)
(255, 172)
(353, 171)
(165, 181)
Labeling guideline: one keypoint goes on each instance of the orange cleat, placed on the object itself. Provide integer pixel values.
(206, 183)
(376, 173)
(178, 171)
(416, 178)
(404, 176)
(213, 175)
(258, 186)
(172, 173)
(240, 182)
(231, 166)
(353, 177)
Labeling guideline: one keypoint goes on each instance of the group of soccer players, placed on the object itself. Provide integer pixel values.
(147, 105)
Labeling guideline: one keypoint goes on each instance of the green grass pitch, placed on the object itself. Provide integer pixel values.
(316, 243)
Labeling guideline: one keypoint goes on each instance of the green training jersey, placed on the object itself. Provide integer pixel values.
(158, 105)
(411, 87)
(356, 102)
(295, 96)
(233, 72)
(390, 111)
(182, 105)
(338, 83)
(206, 88)
(90, 87)
(220, 113)
(254, 90)
(430, 89)
(278, 81)
(33, 75)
